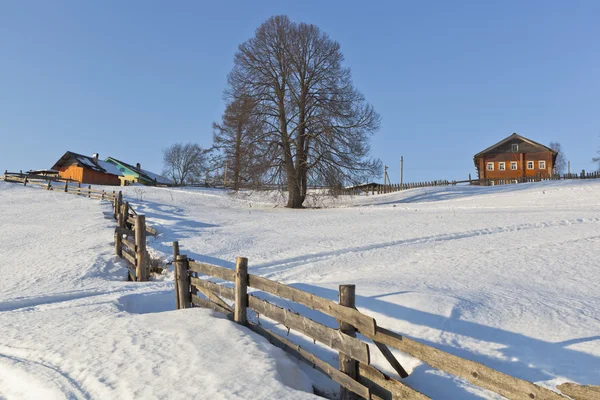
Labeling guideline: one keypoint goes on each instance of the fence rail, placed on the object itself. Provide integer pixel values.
(375, 188)
(356, 376)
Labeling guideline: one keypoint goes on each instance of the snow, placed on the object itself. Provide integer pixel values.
(106, 166)
(158, 178)
(506, 276)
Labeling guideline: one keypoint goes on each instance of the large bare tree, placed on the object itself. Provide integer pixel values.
(561, 161)
(317, 126)
(184, 162)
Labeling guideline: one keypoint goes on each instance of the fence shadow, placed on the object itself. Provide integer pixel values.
(537, 360)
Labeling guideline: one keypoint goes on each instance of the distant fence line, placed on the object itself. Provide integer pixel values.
(356, 376)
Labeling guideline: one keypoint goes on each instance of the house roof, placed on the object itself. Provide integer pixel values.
(87, 162)
(142, 172)
(511, 137)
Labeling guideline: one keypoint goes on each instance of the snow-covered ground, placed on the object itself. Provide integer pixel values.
(507, 276)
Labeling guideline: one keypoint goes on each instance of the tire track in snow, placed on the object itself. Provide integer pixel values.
(26, 374)
(273, 267)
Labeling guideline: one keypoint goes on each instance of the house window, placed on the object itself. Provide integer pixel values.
(515, 147)
(490, 166)
(502, 166)
(530, 165)
(542, 164)
(513, 165)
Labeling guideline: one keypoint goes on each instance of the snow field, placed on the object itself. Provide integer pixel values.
(505, 276)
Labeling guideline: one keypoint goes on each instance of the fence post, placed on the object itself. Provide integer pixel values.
(119, 235)
(25, 182)
(120, 198)
(89, 190)
(48, 185)
(175, 255)
(348, 366)
(583, 174)
(66, 186)
(115, 208)
(183, 281)
(141, 270)
(241, 291)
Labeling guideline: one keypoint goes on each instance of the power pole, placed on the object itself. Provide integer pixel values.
(401, 170)
(569, 164)
(386, 179)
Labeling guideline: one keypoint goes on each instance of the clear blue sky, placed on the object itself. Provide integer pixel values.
(449, 78)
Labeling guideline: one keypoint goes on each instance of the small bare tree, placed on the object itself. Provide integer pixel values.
(184, 162)
(561, 162)
(236, 138)
(596, 160)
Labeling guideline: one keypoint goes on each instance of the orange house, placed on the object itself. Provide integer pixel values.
(89, 170)
(515, 157)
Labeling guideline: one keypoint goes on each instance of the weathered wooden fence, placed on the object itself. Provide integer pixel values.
(355, 375)
(131, 230)
(375, 188)
(130, 240)
(64, 185)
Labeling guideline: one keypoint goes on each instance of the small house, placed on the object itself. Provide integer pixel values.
(135, 174)
(88, 170)
(515, 157)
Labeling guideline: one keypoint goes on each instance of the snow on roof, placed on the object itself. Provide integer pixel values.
(157, 178)
(146, 174)
(88, 162)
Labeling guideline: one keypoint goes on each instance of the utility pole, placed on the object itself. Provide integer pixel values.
(569, 167)
(386, 178)
(401, 170)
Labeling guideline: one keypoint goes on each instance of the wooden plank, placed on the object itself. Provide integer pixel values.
(128, 257)
(199, 301)
(312, 360)
(331, 337)
(362, 322)
(129, 244)
(385, 387)
(474, 372)
(212, 270)
(220, 290)
(212, 291)
(389, 356)
(580, 392)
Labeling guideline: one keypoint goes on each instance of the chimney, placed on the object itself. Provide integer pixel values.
(95, 158)
(138, 166)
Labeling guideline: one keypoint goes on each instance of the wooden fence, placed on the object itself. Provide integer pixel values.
(375, 188)
(64, 185)
(131, 230)
(356, 376)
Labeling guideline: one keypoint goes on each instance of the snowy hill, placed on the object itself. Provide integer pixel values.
(506, 276)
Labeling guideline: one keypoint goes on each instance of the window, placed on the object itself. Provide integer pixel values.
(501, 166)
(530, 165)
(513, 165)
(490, 166)
(515, 147)
(542, 164)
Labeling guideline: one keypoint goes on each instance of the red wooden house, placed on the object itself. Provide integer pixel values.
(89, 170)
(515, 157)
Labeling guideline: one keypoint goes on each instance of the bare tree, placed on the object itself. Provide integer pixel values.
(236, 137)
(317, 126)
(184, 162)
(561, 162)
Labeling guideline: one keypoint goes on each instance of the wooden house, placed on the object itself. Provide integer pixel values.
(515, 157)
(135, 174)
(89, 170)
